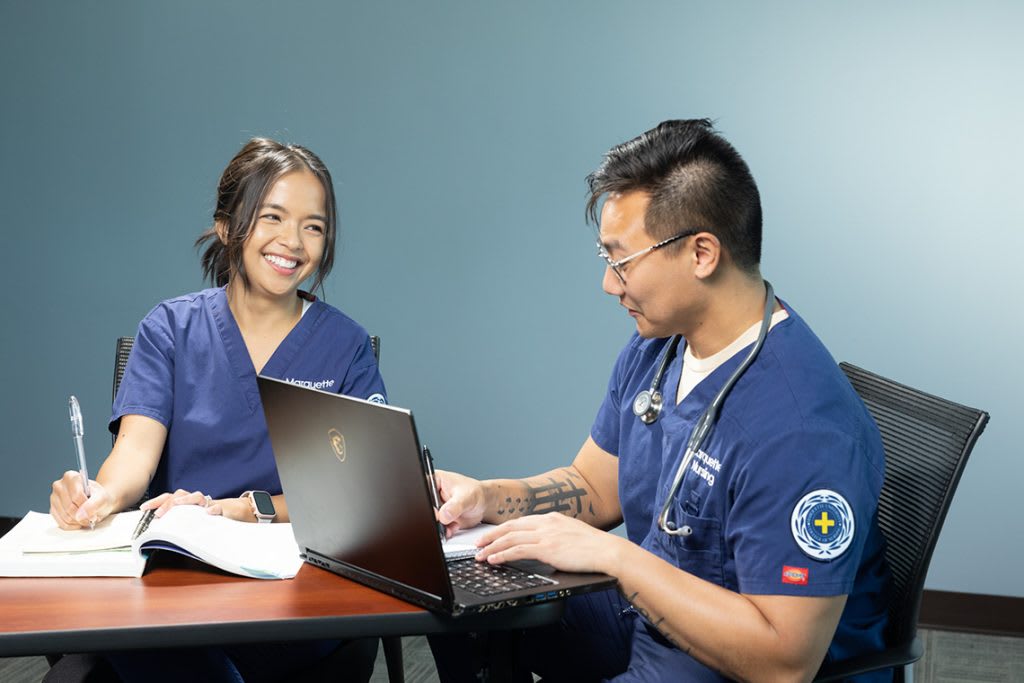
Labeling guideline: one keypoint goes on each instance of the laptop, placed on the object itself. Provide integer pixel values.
(360, 505)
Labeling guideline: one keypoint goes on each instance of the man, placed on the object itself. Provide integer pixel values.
(767, 557)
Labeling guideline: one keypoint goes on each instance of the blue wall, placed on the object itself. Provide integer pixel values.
(886, 140)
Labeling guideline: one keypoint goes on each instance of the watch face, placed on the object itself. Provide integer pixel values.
(264, 503)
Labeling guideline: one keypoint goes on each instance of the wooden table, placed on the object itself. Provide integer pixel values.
(182, 603)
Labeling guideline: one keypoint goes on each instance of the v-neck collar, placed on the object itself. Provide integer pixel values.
(681, 416)
(238, 353)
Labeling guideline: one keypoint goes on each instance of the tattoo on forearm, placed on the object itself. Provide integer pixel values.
(564, 495)
(557, 496)
(656, 622)
(510, 506)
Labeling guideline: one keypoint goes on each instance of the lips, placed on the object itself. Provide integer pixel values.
(280, 261)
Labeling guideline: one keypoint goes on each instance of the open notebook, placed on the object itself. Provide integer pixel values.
(121, 544)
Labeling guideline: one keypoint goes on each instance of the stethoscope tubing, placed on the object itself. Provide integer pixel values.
(709, 417)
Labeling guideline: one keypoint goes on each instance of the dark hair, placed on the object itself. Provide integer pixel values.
(242, 188)
(696, 179)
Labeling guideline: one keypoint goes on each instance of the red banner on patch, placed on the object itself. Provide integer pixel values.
(797, 575)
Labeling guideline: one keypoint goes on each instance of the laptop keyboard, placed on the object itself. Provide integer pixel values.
(485, 579)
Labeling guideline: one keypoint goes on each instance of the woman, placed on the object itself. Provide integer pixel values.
(188, 416)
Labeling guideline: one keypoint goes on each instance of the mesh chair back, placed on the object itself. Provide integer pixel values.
(927, 442)
(121, 353)
(122, 350)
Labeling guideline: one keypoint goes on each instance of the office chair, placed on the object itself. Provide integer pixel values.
(353, 659)
(122, 349)
(927, 441)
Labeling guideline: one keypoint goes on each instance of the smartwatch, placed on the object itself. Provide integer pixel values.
(262, 506)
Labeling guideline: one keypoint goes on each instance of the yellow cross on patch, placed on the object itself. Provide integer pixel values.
(824, 523)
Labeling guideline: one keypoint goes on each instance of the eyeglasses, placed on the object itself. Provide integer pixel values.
(616, 266)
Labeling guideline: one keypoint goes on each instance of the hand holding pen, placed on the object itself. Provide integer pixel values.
(74, 490)
(78, 434)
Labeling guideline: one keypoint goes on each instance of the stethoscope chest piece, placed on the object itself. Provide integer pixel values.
(647, 406)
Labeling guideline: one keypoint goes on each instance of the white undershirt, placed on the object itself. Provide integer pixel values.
(696, 369)
(306, 303)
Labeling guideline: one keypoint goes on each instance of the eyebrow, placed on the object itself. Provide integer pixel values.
(610, 245)
(278, 207)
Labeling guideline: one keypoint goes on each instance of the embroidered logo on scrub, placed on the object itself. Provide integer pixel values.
(376, 398)
(795, 575)
(822, 524)
(337, 443)
(705, 466)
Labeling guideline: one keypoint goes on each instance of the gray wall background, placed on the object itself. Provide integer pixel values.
(886, 139)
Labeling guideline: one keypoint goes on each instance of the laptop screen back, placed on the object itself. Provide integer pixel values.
(354, 484)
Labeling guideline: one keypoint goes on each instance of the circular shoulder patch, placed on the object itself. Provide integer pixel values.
(376, 398)
(823, 524)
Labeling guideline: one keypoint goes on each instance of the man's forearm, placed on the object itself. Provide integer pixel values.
(563, 490)
(751, 638)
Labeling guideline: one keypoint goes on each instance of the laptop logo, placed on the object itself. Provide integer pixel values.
(337, 443)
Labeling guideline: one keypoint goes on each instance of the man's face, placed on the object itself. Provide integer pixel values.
(656, 283)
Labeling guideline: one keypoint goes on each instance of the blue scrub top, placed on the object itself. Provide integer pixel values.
(782, 496)
(190, 370)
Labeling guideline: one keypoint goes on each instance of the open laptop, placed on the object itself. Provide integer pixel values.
(360, 506)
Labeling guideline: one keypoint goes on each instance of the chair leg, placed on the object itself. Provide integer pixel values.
(393, 657)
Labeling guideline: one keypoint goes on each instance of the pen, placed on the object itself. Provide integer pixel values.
(428, 462)
(77, 432)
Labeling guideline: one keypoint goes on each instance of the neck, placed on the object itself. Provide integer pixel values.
(732, 306)
(255, 312)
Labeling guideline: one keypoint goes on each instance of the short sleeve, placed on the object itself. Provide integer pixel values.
(147, 387)
(363, 379)
(606, 429)
(802, 513)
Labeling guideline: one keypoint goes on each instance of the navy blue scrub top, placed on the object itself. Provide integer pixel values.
(783, 495)
(190, 370)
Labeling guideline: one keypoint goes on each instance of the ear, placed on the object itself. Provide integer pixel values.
(221, 228)
(707, 254)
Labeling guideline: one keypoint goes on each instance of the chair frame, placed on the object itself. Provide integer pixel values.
(909, 419)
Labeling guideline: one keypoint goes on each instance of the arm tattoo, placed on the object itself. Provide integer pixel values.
(509, 506)
(656, 623)
(565, 495)
(557, 496)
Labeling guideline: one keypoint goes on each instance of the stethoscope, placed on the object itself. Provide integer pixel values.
(648, 404)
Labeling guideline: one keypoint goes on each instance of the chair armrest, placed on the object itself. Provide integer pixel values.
(901, 655)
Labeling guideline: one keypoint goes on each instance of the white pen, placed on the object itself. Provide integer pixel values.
(77, 432)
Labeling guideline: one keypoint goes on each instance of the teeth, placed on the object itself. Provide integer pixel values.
(278, 261)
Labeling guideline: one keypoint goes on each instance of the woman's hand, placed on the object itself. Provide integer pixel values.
(69, 506)
(165, 501)
(238, 509)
